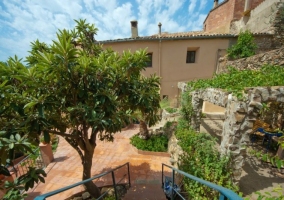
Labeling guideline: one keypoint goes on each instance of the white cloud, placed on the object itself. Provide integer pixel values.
(192, 5)
(22, 23)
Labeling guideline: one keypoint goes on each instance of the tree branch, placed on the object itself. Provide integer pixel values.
(74, 144)
(63, 134)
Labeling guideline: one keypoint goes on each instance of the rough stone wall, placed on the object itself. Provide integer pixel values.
(260, 19)
(255, 3)
(219, 19)
(274, 57)
(235, 134)
(239, 119)
(278, 24)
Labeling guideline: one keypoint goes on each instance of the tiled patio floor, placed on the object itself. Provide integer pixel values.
(67, 169)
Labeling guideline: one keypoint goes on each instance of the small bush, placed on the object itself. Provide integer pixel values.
(245, 46)
(154, 143)
(171, 110)
(202, 160)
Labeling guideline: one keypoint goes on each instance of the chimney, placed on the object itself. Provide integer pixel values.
(160, 28)
(215, 3)
(134, 29)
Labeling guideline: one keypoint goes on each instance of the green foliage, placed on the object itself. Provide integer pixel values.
(24, 182)
(269, 196)
(245, 46)
(73, 84)
(186, 107)
(168, 124)
(274, 160)
(171, 110)
(203, 160)
(165, 104)
(156, 143)
(234, 81)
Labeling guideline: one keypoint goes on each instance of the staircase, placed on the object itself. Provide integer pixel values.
(150, 188)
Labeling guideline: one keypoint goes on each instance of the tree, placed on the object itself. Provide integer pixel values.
(75, 89)
(14, 123)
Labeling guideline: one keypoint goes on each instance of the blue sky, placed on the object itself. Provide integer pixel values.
(23, 21)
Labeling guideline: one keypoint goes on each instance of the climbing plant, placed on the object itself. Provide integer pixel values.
(245, 46)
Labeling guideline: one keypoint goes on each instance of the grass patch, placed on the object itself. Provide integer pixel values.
(156, 143)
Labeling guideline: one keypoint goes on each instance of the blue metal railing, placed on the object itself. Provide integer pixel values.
(224, 192)
(32, 160)
(114, 183)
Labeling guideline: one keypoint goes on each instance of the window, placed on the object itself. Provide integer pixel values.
(190, 56)
(150, 58)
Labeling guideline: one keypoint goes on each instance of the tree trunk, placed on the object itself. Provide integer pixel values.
(143, 130)
(87, 166)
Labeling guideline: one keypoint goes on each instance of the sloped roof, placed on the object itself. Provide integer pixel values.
(178, 36)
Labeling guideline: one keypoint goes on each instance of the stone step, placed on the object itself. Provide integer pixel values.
(146, 191)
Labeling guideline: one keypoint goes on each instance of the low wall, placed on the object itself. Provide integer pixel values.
(274, 57)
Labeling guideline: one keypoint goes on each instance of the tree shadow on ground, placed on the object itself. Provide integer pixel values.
(258, 176)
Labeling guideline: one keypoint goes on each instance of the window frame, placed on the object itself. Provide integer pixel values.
(189, 59)
(150, 62)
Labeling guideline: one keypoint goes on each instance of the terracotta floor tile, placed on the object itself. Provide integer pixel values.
(67, 169)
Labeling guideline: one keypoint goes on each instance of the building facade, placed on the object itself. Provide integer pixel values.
(176, 57)
(187, 56)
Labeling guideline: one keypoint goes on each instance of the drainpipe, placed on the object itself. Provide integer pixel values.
(160, 44)
(247, 5)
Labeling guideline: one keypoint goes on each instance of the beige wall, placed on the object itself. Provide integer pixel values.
(174, 68)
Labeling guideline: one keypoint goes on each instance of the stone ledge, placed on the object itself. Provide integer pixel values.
(151, 153)
(214, 115)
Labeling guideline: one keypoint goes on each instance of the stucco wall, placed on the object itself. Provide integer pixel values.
(173, 68)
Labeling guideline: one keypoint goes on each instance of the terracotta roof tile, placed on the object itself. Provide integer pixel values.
(179, 35)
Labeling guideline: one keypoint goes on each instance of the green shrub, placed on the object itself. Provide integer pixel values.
(155, 143)
(171, 110)
(168, 124)
(245, 46)
(202, 160)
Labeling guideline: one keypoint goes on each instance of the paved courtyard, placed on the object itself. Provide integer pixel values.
(66, 169)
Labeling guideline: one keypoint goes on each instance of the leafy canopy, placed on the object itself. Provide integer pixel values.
(76, 89)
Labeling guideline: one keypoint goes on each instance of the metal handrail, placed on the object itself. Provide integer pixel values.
(49, 194)
(22, 167)
(224, 192)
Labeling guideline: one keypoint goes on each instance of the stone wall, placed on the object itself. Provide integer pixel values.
(219, 18)
(239, 118)
(274, 57)
(259, 20)
(278, 24)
